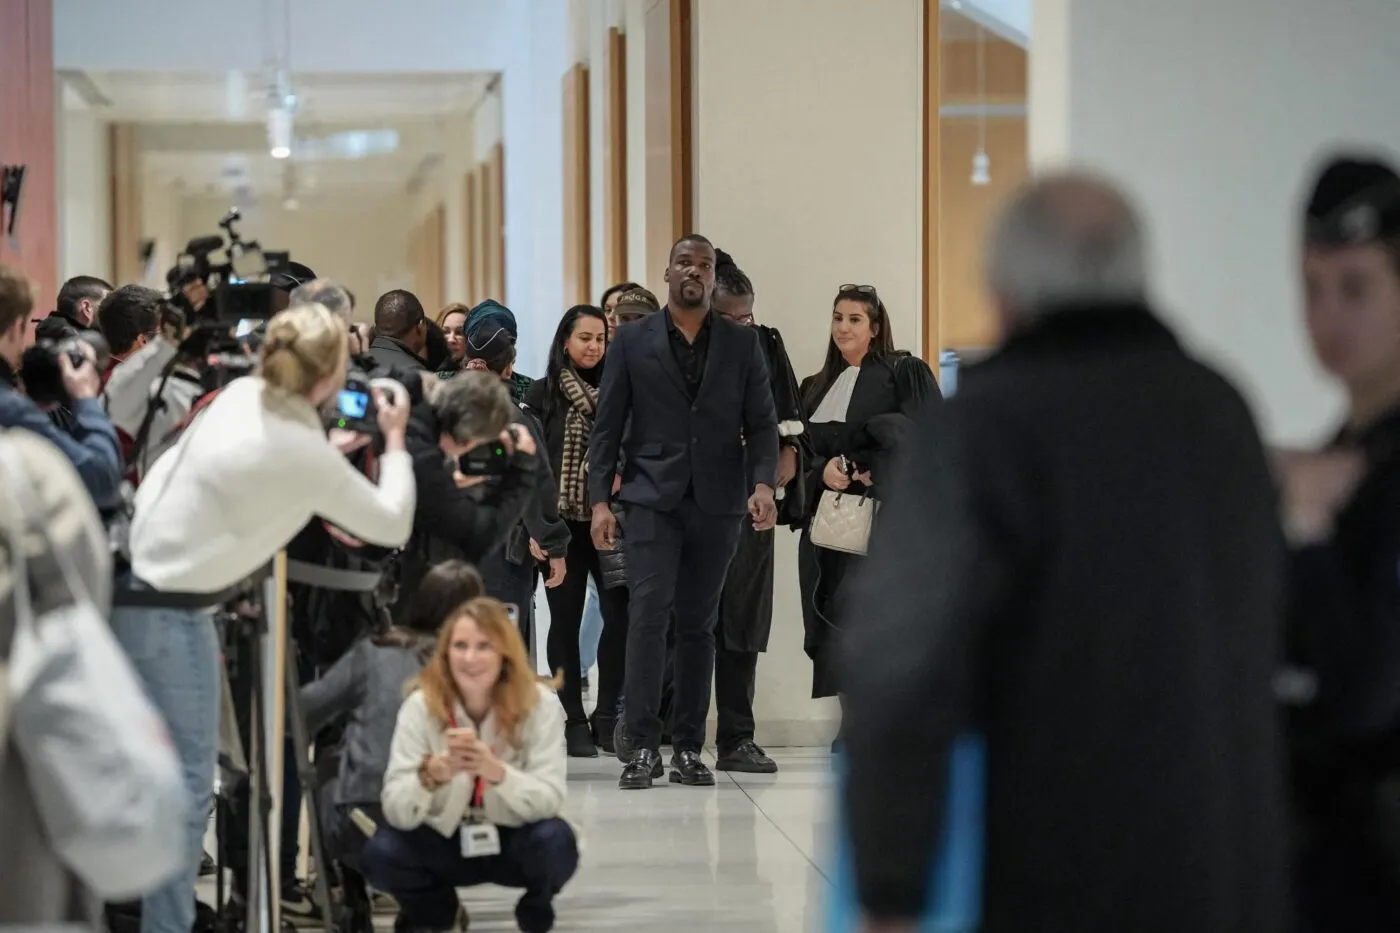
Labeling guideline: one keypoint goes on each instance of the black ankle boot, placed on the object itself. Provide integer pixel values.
(603, 726)
(579, 739)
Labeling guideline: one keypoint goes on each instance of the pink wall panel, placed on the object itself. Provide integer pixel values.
(27, 137)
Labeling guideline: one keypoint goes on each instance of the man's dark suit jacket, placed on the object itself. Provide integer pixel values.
(675, 441)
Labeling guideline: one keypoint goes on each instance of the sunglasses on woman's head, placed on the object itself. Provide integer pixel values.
(858, 289)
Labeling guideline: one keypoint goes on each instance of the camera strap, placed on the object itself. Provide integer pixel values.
(153, 599)
(332, 578)
(156, 404)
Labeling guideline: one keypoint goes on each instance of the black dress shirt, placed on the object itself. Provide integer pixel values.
(690, 355)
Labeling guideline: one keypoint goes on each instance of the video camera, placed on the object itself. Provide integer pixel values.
(249, 284)
(245, 287)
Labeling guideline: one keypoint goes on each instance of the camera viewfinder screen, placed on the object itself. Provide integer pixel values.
(352, 404)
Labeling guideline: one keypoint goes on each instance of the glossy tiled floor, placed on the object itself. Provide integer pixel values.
(744, 856)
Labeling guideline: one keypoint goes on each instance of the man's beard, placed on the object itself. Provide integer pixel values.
(681, 301)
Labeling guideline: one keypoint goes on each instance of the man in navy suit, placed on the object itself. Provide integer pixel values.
(695, 389)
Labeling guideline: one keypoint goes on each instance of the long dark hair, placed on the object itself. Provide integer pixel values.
(445, 588)
(881, 344)
(559, 355)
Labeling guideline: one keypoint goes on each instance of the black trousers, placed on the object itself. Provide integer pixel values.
(676, 564)
(566, 603)
(735, 674)
(422, 869)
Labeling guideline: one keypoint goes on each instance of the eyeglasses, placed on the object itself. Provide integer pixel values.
(859, 290)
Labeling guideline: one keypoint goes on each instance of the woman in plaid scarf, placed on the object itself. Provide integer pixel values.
(566, 401)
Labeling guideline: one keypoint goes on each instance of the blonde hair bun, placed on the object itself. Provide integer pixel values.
(303, 345)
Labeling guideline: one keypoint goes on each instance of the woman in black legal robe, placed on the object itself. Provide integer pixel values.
(1342, 516)
(857, 407)
(746, 604)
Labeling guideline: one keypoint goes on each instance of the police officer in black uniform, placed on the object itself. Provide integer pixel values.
(1342, 515)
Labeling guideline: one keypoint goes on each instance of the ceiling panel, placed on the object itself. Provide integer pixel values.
(205, 133)
(180, 97)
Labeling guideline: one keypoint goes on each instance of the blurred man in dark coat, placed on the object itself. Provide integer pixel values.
(1080, 562)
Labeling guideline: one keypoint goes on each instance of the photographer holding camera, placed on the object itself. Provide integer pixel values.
(468, 505)
(91, 443)
(250, 471)
(541, 536)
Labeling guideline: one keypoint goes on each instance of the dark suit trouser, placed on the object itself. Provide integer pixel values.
(676, 562)
(736, 674)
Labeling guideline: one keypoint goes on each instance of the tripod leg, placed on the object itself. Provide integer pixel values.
(260, 903)
(306, 771)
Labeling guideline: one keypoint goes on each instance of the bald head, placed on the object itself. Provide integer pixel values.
(1068, 239)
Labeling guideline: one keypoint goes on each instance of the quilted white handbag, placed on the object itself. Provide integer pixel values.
(843, 522)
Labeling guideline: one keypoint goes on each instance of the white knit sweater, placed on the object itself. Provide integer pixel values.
(243, 479)
(536, 770)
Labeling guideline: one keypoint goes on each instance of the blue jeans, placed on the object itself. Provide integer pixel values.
(590, 630)
(422, 869)
(176, 654)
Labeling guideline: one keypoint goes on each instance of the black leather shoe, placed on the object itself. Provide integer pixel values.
(747, 758)
(642, 770)
(688, 769)
(579, 739)
(623, 746)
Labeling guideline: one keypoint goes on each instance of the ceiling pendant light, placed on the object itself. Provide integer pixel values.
(279, 132)
(981, 162)
(281, 102)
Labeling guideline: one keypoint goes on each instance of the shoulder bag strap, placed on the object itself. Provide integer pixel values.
(16, 606)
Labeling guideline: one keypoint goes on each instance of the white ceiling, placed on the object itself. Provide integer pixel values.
(208, 174)
(204, 97)
(205, 134)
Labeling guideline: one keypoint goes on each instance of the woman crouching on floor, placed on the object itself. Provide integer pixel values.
(476, 781)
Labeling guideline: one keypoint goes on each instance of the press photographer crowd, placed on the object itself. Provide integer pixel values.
(1177, 648)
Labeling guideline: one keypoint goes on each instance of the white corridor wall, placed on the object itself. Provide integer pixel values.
(84, 193)
(1213, 114)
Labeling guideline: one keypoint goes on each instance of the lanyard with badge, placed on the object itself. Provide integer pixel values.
(479, 838)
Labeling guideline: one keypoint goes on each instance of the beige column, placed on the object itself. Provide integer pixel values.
(126, 203)
(808, 168)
